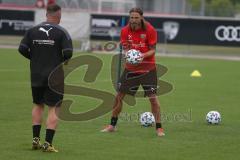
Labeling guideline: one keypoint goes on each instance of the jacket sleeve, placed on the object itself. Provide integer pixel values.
(24, 47)
(67, 48)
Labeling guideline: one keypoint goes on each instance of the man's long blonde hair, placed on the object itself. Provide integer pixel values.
(139, 10)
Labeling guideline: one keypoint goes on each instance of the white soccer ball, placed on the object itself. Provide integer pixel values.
(133, 56)
(213, 117)
(147, 119)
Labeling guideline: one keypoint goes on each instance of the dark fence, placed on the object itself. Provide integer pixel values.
(200, 31)
(14, 22)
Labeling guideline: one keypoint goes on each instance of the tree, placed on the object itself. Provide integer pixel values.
(195, 7)
(237, 8)
(195, 4)
(223, 8)
(234, 2)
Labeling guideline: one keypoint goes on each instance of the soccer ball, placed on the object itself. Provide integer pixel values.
(213, 117)
(147, 119)
(133, 56)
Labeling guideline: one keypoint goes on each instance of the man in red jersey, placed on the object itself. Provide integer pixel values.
(139, 35)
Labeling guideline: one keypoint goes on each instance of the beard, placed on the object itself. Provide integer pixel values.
(135, 25)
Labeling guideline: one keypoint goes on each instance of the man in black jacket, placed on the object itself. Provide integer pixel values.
(47, 46)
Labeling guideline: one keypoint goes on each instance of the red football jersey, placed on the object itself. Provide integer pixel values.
(140, 40)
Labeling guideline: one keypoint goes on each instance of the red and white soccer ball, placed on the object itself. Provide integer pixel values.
(147, 119)
(213, 117)
(133, 56)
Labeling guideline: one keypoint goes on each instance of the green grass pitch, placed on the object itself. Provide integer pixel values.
(187, 137)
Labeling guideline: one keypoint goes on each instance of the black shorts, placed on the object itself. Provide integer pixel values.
(130, 82)
(44, 95)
